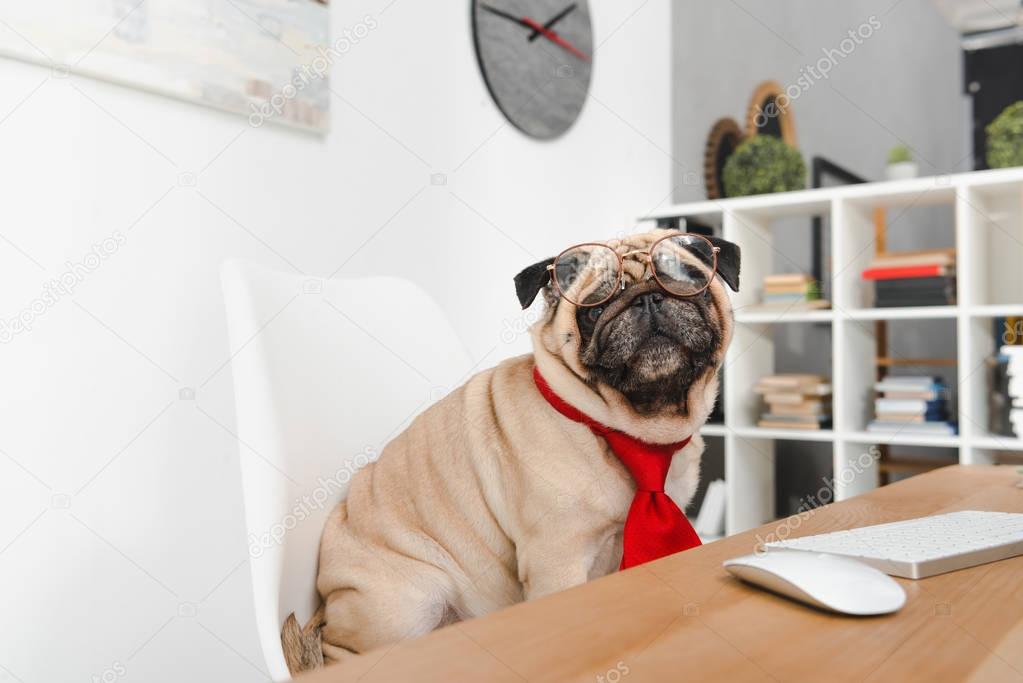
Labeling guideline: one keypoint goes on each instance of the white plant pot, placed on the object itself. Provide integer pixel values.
(902, 170)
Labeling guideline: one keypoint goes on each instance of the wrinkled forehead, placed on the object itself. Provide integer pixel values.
(636, 270)
(643, 240)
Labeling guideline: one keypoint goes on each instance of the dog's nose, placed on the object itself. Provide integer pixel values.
(648, 302)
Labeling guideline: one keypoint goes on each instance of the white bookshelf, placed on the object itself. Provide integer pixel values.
(987, 209)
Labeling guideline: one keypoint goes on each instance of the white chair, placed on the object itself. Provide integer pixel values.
(325, 373)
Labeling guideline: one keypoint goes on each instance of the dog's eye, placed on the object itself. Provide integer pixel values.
(593, 314)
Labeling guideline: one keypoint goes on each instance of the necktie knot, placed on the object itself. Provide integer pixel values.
(648, 465)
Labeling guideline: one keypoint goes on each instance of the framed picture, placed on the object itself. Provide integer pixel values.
(266, 59)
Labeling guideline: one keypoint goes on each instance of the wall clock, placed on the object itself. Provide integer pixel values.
(536, 57)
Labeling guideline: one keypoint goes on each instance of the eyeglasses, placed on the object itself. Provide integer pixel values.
(589, 274)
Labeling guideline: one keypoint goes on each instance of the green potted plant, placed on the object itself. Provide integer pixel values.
(763, 164)
(1005, 138)
(900, 164)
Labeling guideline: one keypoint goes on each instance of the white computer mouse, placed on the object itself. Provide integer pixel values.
(831, 582)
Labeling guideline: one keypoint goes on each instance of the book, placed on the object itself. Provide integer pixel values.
(781, 395)
(805, 288)
(790, 380)
(783, 298)
(946, 294)
(916, 284)
(906, 272)
(909, 383)
(901, 259)
(911, 302)
(907, 405)
(788, 279)
(913, 379)
(900, 417)
(791, 423)
(921, 428)
(773, 395)
(773, 417)
(999, 403)
(922, 291)
(812, 407)
(933, 395)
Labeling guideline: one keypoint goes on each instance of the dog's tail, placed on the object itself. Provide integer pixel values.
(303, 650)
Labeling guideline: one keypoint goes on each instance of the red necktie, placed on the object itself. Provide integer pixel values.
(655, 526)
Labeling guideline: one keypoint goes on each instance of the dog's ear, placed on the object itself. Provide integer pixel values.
(728, 261)
(531, 280)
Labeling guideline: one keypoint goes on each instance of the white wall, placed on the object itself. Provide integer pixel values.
(122, 550)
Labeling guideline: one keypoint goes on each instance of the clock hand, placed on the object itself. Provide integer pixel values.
(543, 31)
(556, 39)
(554, 20)
(506, 15)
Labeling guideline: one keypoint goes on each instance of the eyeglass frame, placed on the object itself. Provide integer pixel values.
(616, 289)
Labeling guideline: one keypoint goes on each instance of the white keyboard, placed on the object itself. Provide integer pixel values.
(922, 547)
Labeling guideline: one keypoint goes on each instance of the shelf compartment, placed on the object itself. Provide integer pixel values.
(861, 352)
(752, 356)
(990, 240)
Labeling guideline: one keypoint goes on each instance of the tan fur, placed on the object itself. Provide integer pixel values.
(491, 497)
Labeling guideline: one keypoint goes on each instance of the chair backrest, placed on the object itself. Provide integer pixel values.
(325, 373)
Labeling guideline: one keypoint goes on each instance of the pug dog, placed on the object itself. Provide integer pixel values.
(492, 496)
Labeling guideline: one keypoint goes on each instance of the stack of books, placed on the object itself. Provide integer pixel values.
(911, 405)
(792, 290)
(916, 278)
(795, 401)
(1006, 401)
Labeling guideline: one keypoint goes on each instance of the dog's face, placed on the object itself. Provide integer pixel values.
(654, 348)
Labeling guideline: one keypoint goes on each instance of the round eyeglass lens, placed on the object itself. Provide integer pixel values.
(683, 264)
(587, 275)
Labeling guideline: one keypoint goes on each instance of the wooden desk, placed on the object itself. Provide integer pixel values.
(683, 618)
